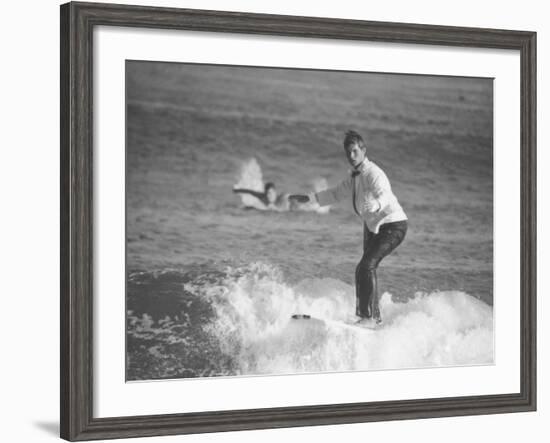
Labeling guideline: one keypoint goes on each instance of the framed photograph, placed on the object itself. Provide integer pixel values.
(272, 221)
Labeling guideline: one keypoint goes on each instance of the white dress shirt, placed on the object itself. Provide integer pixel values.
(370, 195)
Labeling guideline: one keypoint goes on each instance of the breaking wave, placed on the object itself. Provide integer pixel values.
(207, 322)
(252, 323)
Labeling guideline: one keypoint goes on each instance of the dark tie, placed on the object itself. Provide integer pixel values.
(353, 175)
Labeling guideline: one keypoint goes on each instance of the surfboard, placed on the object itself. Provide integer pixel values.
(367, 324)
(307, 321)
(303, 332)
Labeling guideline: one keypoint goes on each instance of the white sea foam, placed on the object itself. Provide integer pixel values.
(251, 177)
(254, 308)
(319, 184)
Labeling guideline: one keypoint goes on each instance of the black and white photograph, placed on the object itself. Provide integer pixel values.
(229, 221)
(287, 221)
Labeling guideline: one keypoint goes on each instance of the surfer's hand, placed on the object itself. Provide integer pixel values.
(371, 205)
(298, 198)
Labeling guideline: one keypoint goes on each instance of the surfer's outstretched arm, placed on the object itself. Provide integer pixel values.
(340, 192)
(326, 197)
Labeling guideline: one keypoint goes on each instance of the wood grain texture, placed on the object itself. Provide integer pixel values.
(76, 181)
(528, 220)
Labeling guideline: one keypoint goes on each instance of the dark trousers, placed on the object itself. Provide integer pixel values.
(375, 248)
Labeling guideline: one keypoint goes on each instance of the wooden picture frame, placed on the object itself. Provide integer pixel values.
(77, 23)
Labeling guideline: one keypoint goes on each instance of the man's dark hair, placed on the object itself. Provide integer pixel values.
(353, 138)
(268, 186)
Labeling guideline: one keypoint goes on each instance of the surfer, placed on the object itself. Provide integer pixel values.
(384, 221)
(270, 198)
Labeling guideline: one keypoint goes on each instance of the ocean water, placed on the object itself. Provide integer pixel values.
(238, 322)
(211, 286)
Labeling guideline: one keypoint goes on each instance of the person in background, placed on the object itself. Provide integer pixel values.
(269, 198)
